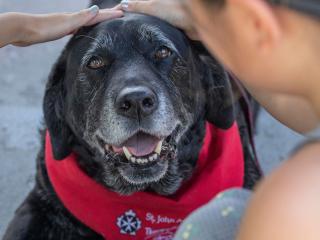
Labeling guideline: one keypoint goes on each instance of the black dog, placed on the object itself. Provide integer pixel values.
(131, 97)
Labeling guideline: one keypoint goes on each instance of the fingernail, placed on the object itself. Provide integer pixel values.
(94, 10)
(125, 4)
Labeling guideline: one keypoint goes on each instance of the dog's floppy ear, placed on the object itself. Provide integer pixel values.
(219, 98)
(54, 110)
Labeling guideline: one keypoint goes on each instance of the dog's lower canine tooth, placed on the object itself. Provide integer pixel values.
(158, 148)
(127, 153)
(133, 160)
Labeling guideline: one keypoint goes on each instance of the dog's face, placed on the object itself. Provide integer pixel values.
(135, 95)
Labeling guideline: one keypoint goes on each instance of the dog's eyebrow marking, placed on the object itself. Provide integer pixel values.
(149, 33)
(102, 41)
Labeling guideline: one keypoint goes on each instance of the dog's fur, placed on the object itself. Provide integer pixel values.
(81, 116)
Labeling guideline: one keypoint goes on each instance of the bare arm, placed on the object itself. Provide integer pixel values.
(286, 204)
(26, 29)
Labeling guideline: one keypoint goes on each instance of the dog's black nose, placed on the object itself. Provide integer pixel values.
(135, 102)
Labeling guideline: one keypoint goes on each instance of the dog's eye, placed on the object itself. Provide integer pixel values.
(163, 53)
(96, 63)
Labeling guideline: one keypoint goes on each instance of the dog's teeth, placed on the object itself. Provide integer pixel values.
(107, 147)
(144, 160)
(155, 156)
(158, 148)
(127, 153)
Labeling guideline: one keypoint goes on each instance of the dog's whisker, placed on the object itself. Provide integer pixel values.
(217, 87)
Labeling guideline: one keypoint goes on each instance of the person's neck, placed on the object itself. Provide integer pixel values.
(312, 81)
(308, 74)
(315, 99)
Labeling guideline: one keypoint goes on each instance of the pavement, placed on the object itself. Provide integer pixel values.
(23, 73)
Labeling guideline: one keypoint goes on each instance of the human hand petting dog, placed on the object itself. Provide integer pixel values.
(168, 10)
(22, 29)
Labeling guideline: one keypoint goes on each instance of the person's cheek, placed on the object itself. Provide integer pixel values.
(218, 42)
(214, 46)
(213, 32)
(227, 39)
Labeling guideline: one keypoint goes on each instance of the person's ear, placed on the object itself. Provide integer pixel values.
(54, 110)
(257, 21)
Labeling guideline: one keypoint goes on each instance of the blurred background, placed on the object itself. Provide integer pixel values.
(23, 74)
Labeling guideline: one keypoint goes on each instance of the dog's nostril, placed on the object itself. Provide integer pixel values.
(126, 105)
(148, 102)
(136, 102)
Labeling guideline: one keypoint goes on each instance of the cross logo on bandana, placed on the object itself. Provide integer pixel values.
(129, 223)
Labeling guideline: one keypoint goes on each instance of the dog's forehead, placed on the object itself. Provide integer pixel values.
(119, 35)
(141, 27)
(135, 22)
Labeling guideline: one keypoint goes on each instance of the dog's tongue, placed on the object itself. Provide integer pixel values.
(141, 144)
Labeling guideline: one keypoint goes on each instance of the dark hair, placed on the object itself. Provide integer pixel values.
(311, 7)
(216, 2)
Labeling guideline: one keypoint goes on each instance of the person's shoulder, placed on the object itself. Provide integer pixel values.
(285, 204)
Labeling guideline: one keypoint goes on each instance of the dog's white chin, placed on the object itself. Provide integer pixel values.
(139, 177)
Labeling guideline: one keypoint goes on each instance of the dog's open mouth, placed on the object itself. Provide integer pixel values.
(143, 158)
(140, 149)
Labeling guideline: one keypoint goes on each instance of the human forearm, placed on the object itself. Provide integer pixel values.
(26, 29)
(10, 28)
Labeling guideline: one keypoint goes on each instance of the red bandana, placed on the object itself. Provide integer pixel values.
(148, 216)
